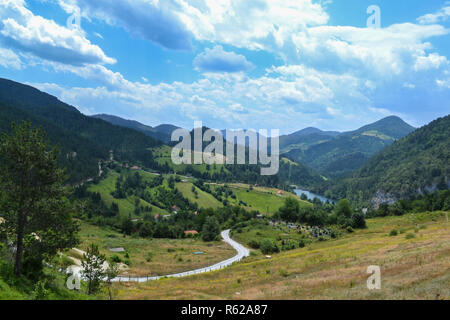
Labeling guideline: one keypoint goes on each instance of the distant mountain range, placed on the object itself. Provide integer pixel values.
(388, 158)
(82, 140)
(334, 154)
(162, 132)
(418, 163)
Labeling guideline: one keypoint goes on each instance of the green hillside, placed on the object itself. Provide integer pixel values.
(414, 164)
(70, 129)
(337, 155)
(161, 133)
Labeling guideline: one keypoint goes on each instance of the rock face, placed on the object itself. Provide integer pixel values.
(382, 197)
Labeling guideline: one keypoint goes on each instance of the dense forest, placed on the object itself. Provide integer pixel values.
(416, 164)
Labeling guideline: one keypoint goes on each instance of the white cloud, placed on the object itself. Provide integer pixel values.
(22, 30)
(8, 59)
(441, 15)
(219, 60)
(152, 20)
(432, 61)
(372, 52)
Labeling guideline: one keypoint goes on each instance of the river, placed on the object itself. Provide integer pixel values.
(311, 195)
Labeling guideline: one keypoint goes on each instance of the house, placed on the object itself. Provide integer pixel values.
(190, 232)
(259, 216)
(280, 193)
(135, 168)
(175, 209)
(2, 220)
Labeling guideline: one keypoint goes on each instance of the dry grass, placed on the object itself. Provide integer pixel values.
(155, 256)
(417, 268)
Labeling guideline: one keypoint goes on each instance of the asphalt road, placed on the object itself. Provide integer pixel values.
(242, 252)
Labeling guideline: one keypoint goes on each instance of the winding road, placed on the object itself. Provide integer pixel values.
(242, 252)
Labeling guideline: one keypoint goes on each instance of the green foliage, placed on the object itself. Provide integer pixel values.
(414, 163)
(269, 246)
(336, 154)
(37, 215)
(92, 268)
(393, 233)
(211, 229)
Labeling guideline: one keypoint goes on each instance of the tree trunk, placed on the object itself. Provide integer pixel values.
(19, 249)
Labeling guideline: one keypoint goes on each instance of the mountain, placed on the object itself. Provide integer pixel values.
(162, 132)
(305, 138)
(62, 120)
(77, 154)
(418, 163)
(334, 155)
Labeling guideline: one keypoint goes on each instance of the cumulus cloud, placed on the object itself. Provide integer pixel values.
(8, 59)
(375, 52)
(22, 30)
(441, 15)
(219, 60)
(151, 20)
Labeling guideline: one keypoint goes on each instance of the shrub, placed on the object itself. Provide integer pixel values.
(269, 246)
(254, 244)
(350, 229)
(393, 233)
(116, 259)
(410, 236)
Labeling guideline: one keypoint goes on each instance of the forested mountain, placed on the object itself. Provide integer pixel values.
(25, 102)
(162, 132)
(77, 154)
(413, 165)
(335, 154)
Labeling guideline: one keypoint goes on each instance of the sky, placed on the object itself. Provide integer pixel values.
(260, 64)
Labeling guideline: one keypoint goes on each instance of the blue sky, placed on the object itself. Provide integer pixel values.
(274, 64)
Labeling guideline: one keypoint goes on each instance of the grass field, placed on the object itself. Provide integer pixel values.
(166, 256)
(126, 206)
(415, 264)
(163, 155)
(204, 199)
(265, 200)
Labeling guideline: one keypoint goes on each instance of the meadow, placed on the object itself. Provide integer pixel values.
(154, 257)
(415, 264)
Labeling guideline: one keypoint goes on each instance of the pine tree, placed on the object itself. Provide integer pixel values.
(92, 268)
(37, 213)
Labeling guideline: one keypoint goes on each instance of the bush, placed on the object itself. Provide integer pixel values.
(350, 229)
(393, 233)
(269, 246)
(410, 236)
(115, 259)
(254, 244)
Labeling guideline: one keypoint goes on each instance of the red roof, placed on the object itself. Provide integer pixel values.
(193, 232)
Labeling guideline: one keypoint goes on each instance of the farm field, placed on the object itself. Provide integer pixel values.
(154, 256)
(415, 264)
(262, 199)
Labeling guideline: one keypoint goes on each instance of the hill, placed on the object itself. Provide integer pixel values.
(415, 164)
(162, 132)
(336, 155)
(72, 130)
(412, 268)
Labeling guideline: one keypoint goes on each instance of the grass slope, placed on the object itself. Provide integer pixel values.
(416, 268)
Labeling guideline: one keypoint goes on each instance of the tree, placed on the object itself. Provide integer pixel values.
(290, 210)
(37, 213)
(92, 268)
(344, 212)
(268, 246)
(111, 272)
(211, 229)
